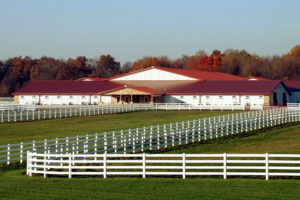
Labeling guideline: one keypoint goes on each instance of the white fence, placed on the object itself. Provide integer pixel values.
(31, 113)
(152, 137)
(293, 106)
(16, 113)
(183, 165)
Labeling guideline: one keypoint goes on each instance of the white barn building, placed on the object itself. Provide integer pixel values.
(157, 85)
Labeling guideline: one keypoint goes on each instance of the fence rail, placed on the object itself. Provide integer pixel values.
(16, 113)
(266, 165)
(293, 106)
(152, 137)
(31, 113)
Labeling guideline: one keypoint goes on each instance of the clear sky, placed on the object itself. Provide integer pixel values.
(131, 29)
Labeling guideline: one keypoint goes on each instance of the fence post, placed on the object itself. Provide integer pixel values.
(28, 168)
(193, 131)
(143, 138)
(267, 166)
(114, 142)
(225, 166)
(15, 116)
(150, 140)
(165, 136)
(8, 116)
(172, 135)
(45, 166)
(95, 144)
(158, 137)
(8, 154)
(144, 165)
(125, 144)
(210, 128)
(105, 142)
(187, 129)
(104, 165)
(21, 152)
(86, 146)
(199, 130)
(183, 165)
(204, 123)
(70, 165)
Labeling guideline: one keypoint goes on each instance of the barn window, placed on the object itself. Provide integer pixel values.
(71, 97)
(247, 97)
(194, 97)
(181, 97)
(58, 97)
(220, 97)
(46, 97)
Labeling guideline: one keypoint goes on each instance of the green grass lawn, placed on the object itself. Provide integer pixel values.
(282, 139)
(285, 139)
(46, 129)
(14, 185)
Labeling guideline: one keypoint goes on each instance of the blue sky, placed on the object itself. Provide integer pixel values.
(131, 29)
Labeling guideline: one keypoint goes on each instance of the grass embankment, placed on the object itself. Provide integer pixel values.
(14, 185)
(46, 129)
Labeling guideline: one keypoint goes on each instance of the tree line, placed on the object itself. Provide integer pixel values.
(17, 71)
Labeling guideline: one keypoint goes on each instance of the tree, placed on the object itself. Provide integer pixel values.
(106, 67)
(294, 52)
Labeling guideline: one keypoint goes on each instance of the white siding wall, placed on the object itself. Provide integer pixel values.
(28, 99)
(214, 99)
(154, 74)
(106, 99)
(252, 99)
(63, 99)
(58, 99)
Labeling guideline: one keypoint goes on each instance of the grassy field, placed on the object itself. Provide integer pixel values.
(285, 139)
(282, 139)
(46, 129)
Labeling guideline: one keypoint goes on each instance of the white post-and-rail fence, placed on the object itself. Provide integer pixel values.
(152, 137)
(19, 113)
(182, 165)
(32, 113)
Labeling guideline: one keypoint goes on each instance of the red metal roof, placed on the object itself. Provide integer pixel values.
(258, 78)
(293, 85)
(226, 88)
(199, 75)
(90, 79)
(66, 87)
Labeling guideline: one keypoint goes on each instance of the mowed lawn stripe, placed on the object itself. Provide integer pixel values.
(47, 129)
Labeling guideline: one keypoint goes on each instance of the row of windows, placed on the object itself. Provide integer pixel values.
(221, 97)
(181, 97)
(58, 97)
